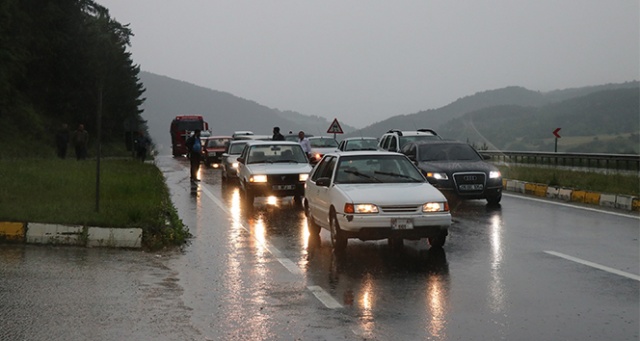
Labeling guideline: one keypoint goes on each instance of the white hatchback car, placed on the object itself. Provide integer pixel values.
(277, 168)
(372, 195)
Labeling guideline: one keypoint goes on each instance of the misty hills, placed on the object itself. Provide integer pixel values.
(225, 113)
(603, 118)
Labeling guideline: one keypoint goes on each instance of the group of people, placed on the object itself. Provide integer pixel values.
(194, 145)
(79, 139)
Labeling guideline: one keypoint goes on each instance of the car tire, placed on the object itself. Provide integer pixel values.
(437, 241)
(312, 226)
(494, 199)
(249, 196)
(338, 240)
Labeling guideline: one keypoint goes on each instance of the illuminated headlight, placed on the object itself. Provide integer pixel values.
(494, 174)
(234, 165)
(360, 208)
(317, 156)
(258, 178)
(435, 207)
(303, 177)
(437, 175)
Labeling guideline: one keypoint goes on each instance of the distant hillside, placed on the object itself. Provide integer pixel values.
(226, 113)
(606, 121)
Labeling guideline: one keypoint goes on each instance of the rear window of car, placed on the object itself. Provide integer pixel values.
(217, 142)
(323, 143)
(406, 139)
(236, 148)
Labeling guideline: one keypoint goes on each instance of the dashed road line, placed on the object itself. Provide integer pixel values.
(594, 265)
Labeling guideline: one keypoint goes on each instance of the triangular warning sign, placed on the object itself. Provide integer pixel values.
(335, 127)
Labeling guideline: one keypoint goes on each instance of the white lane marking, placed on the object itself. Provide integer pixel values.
(594, 265)
(317, 291)
(324, 297)
(551, 201)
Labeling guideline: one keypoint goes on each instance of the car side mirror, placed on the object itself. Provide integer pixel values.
(240, 159)
(323, 182)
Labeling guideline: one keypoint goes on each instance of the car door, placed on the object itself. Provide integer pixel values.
(318, 196)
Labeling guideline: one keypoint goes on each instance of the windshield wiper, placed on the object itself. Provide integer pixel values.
(397, 175)
(362, 175)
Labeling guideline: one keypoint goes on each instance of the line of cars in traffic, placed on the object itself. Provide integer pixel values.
(396, 187)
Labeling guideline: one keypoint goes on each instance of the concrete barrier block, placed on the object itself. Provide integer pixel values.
(565, 194)
(114, 237)
(607, 200)
(592, 198)
(530, 188)
(578, 195)
(635, 205)
(552, 192)
(520, 186)
(540, 190)
(12, 231)
(624, 202)
(54, 234)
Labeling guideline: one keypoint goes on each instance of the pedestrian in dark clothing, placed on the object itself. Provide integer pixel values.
(80, 140)
(62, 140)
(142, 146)
(276, 134)
(194, 146)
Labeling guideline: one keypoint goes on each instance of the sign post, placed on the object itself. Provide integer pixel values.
(335, 128)
(555, 133)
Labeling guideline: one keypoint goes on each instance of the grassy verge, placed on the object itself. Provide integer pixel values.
(604, 183)
(132, 194)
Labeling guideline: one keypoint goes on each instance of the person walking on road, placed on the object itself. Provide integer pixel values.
(276, 134)
(62, 140)
(80, 141)
(194, 146)
(304, 142)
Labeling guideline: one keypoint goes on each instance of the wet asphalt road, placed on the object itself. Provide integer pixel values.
(529, 270)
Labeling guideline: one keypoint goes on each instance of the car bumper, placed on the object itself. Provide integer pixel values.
(372, 227)
(278, 190)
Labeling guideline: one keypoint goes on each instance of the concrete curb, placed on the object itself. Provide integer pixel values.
(56, 234)
(622, 202)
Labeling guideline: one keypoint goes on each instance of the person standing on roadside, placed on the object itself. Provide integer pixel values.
(304, 142)
(142, 145)
(194, 146)
(80, 141)
(276, 134)
(62, 140)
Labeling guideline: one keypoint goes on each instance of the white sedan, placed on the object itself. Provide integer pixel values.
(272, 168)
(372, 195)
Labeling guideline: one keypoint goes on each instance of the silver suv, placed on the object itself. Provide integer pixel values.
(394, 139)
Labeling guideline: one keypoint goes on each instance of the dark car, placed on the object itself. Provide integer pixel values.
(214, 147)
(455, 167)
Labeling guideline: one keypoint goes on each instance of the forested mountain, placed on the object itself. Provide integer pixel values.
(64, 62)
(226, 113)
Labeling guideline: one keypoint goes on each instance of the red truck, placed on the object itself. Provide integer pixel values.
(181, 128)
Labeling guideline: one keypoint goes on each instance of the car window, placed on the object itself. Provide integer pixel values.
(406, 139)
(323, 143)
(376, 169)
(236, 148)
(217, 142)
(275, 153)
(324, 168)
(448, 152)
(393, 143)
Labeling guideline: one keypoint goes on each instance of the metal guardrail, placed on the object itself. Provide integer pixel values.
(626, 162)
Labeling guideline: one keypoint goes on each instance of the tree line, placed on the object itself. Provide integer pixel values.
(62, 62)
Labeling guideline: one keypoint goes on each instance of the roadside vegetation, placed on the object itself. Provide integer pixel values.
(132, 194)
(589, 181)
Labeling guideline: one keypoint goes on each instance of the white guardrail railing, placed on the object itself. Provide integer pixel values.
(620, 162)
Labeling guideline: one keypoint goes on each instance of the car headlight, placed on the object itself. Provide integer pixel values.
(303, 177)
(234, 165)
(435, 207)
(258, 178)
(494, 174)
(437, 175)
(360, 208)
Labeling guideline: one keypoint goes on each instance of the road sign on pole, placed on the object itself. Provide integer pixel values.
(555, 133)
(335, 128)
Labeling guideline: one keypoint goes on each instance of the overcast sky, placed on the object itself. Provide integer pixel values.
(364, 61)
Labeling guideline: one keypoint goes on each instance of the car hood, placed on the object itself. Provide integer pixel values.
(457, 166)
(279, 168)
(391, 193)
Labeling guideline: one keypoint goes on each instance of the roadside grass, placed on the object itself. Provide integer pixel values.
(132, 194)
(589, 181)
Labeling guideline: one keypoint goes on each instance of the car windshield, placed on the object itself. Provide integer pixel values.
(217, 142)
(276, 153)
(361, 144)
(376, 169)
(236, 148)
(323, 143)
(406, 139)
(447, 152)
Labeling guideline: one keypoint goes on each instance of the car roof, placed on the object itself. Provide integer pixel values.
(270, 142)
(320, 137)
(436, 142)
(363, 152)
(401, 132)
(360, 138)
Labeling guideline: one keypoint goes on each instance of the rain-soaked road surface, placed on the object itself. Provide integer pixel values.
(530, 270)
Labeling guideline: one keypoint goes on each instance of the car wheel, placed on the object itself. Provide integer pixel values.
(338, 240)
(297, 199)
(223, 174)
(437, 241)
(314, 228)
(494, 199)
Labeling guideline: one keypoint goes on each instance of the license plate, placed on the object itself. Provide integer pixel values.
(474, 187)
(401, 224)
(283, 187)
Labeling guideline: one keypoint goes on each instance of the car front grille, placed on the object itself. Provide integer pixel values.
(283, 178)
(470, 181)
(399, 208)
